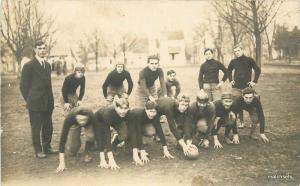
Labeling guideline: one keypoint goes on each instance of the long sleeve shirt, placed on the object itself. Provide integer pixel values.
(209, 72)
(168, 107)
(148, 77)
(70, 120)
(116, 79)
(137, 119)
(195, 114)
(239, 104)
(107, 117)
(242, 67)
(222, 113)
(70, 85)
(220, 109)
(170, 84)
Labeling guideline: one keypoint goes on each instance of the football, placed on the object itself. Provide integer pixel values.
(194, 153)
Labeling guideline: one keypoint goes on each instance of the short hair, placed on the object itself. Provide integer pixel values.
(237, 46)
(171, 72)
(152, 57)
(121, 102)
(150, 105)
(79, 67)
(183, 97)
(248, 90)
(39, 43)
(208, 49)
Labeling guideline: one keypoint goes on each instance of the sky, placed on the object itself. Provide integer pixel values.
(75, 18)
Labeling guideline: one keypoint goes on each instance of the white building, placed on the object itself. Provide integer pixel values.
(170, 46)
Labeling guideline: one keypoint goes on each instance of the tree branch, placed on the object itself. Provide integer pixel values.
(263, 27)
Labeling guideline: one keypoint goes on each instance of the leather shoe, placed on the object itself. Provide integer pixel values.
(51, 151)
(40, 155)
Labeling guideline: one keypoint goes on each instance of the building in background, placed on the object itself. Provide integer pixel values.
(172, 48)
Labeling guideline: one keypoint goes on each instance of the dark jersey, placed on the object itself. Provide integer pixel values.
(137, 119)
(170, 84)
(70, 120)
(209, 72)
(242, 67)
(147, 78)
(195, 114)
(168, 106)
(239, 104)
(116, 79)
(107, 117)
(70, 85)
(220, 109)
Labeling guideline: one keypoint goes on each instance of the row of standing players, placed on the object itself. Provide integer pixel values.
(191, 125)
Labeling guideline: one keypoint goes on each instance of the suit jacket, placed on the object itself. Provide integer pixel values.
(36, 87)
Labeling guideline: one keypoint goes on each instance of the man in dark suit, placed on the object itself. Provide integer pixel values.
(36, 88)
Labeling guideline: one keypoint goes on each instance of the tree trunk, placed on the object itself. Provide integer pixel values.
(17, 65)
(258, 49)
(270, 56)
(220, 55)
(270, 52)
(96, 55)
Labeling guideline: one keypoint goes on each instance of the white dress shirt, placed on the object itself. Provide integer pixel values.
(41, 61)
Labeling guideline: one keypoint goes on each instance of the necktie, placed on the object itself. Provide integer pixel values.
(43, 64)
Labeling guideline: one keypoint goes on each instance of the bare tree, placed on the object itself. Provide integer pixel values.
(97, 45)
(83, 52)
(199, 42)
(255, 17)
(226, 11)
(219, 40)
(22, 24)
(128, 43)
(269, 38)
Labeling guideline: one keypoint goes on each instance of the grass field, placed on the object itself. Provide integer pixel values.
(279, 88)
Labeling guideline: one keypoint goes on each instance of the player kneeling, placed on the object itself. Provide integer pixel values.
(176, 113)
(77, 119)
(225, 117)
(250, 103)
(112, 116)
(199, 122)
(145, 122)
